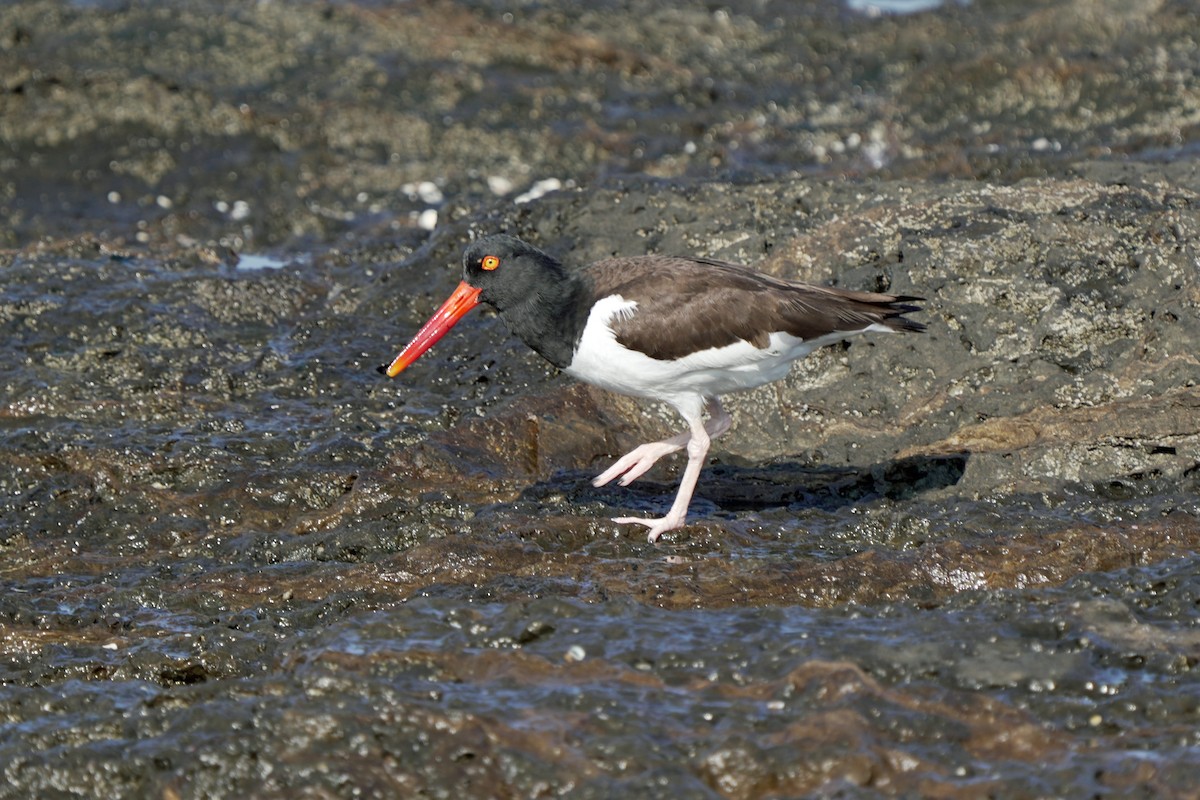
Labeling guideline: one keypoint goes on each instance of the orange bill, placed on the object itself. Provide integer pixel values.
(465, 298)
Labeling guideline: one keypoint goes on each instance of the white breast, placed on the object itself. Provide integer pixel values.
(603, 361)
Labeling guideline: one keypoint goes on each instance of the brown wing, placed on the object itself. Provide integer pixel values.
(686, 305)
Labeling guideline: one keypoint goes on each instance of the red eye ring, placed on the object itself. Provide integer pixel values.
(490, 263)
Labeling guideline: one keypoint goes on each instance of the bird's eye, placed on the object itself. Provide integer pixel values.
(490, 263)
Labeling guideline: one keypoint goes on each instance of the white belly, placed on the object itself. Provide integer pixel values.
(603, 361)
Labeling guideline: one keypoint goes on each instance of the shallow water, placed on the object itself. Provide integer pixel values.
(200, 536)
(237, 562)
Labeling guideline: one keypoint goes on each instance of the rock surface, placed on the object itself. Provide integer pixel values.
(236, 562)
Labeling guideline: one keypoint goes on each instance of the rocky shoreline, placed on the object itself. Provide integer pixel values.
(235, 561)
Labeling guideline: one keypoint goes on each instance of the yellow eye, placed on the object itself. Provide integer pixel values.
(490, 263)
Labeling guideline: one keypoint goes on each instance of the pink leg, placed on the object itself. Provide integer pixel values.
(697, 439)
(697, 448)
(634, 464)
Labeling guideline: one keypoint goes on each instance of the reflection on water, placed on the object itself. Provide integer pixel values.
(250, 261)
(878, 7)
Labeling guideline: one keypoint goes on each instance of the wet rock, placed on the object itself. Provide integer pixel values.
(235, 561)
(348, 121)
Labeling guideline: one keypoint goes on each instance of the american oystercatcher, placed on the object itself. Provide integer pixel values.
(683, 330)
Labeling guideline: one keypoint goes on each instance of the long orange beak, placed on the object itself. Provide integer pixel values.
(463, 300)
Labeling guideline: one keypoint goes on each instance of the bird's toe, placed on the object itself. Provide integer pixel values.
(657, 526)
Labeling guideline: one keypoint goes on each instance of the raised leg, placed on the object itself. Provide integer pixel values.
(697, 449)
(634, 464)
(637, 461)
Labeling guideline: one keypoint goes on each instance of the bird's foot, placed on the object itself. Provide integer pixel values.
(657, 526)
(634, 464)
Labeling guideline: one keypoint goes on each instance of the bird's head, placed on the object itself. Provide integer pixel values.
(499, 270)
(507, 271)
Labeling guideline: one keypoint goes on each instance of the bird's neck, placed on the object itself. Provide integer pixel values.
(551, 319)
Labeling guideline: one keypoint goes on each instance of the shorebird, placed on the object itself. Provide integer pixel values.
(680, 329)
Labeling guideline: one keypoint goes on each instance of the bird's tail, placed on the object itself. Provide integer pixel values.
(894, 309)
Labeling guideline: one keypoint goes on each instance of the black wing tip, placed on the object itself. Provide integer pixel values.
(903, 325)
(901, 305)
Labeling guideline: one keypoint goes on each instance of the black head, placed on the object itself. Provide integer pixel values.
(508, 271)
(527, 287)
